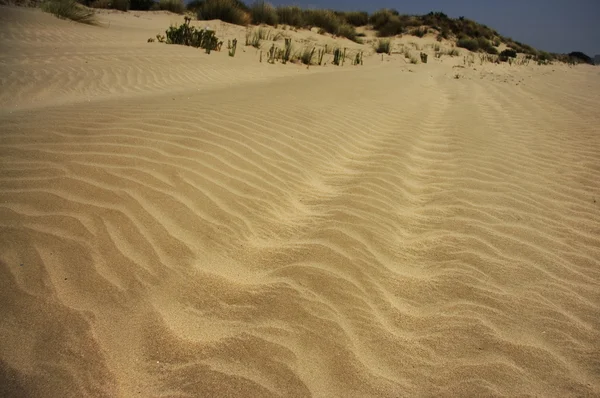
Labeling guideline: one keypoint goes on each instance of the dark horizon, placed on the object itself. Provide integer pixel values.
(556, 26)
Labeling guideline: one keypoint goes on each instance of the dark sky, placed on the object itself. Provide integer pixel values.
(551, 25)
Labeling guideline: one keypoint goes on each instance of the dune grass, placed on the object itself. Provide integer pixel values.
(262, 12)
(384, 46)
(225, 10)
(307, 55)
(70, 9)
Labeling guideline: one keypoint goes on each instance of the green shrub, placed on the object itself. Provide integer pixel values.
(356, 18)
(469, 44)
(325, 19)
(69, 9)
(544, 57)
(263, 13)
(175, 6)
(290, 15)
(225, 10)
(383, 46)
(188, 35)
(491, 50)
(420, 32)
(348, 31)
(509, 53)
(141, 5)
(387, 23)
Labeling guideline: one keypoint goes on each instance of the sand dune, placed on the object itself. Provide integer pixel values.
(178, 224)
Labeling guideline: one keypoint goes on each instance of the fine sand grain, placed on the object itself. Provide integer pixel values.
(176, 224)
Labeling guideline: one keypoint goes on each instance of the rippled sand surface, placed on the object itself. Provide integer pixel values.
(174, 224)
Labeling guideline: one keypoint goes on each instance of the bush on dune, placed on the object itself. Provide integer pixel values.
(325, 19)
(387, 23)
(69, 9)
(291, 15)
(263, 13)
(478, 44)
(356, 18)
(225, 10)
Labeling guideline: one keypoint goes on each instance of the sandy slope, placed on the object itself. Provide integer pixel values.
(176, 224)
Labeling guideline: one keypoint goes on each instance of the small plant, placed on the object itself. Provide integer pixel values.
(358, 59)
(232, 47)
(420, 32)
(337, 56)
(383, 46)
(457, 76)
(287, 52)
(307, 56)
(414, 60)
(69, 9)
(321, 53)
(424, 58)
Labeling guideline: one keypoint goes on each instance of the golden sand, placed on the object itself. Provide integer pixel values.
(177, 224)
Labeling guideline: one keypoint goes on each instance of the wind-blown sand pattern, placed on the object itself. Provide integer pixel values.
(177, 224)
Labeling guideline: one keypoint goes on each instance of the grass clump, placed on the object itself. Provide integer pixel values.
(307, 56)
(262, 12)
(384, 46)
(70, 9)
(225, 10)
(419, 32)
(254, 38)
(175, 6)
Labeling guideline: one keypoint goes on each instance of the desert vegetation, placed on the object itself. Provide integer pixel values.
(383, 46)
(69, 9)
(387, 23)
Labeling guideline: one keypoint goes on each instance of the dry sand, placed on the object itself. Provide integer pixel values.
(180, 224)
